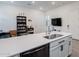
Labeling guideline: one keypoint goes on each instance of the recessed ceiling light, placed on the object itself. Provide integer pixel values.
(33, 2)
(53, 3)
(11, 1)
(41, 8)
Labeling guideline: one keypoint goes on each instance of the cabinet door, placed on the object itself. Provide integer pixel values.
(64, 50)
(67, 49)
(55, 52)
(60, 51)
(69, 45)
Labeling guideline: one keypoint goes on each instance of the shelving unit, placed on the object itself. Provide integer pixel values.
(21, 25)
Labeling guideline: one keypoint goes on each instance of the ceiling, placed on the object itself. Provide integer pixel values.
(39, 5)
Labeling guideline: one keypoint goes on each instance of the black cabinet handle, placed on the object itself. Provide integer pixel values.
(69, 42)
(61, 41)
(70, 37)
(61, 47)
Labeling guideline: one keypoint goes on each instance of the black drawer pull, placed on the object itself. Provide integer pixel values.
(69, 42)
(61, 41)
(61, 47)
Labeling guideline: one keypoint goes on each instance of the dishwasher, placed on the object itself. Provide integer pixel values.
(42, 51)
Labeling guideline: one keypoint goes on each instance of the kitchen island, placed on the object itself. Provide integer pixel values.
(15, 45)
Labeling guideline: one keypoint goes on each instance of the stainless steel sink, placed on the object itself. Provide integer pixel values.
(53, 36)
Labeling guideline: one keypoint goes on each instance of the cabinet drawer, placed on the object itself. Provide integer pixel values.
(57, 42)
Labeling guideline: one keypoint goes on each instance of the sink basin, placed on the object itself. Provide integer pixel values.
(53, 36)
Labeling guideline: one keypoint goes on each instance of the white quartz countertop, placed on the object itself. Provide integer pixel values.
(16, 45)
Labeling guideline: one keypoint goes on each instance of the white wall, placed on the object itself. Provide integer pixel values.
(70, 16)
(8, 15)
(68, 13)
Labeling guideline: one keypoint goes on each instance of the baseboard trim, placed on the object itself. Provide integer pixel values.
(75, 39)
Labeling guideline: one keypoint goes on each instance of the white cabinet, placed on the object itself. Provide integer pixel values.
(60, 50)
(55, 51)
(61, 47)
(70, 46)
(64, 50)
